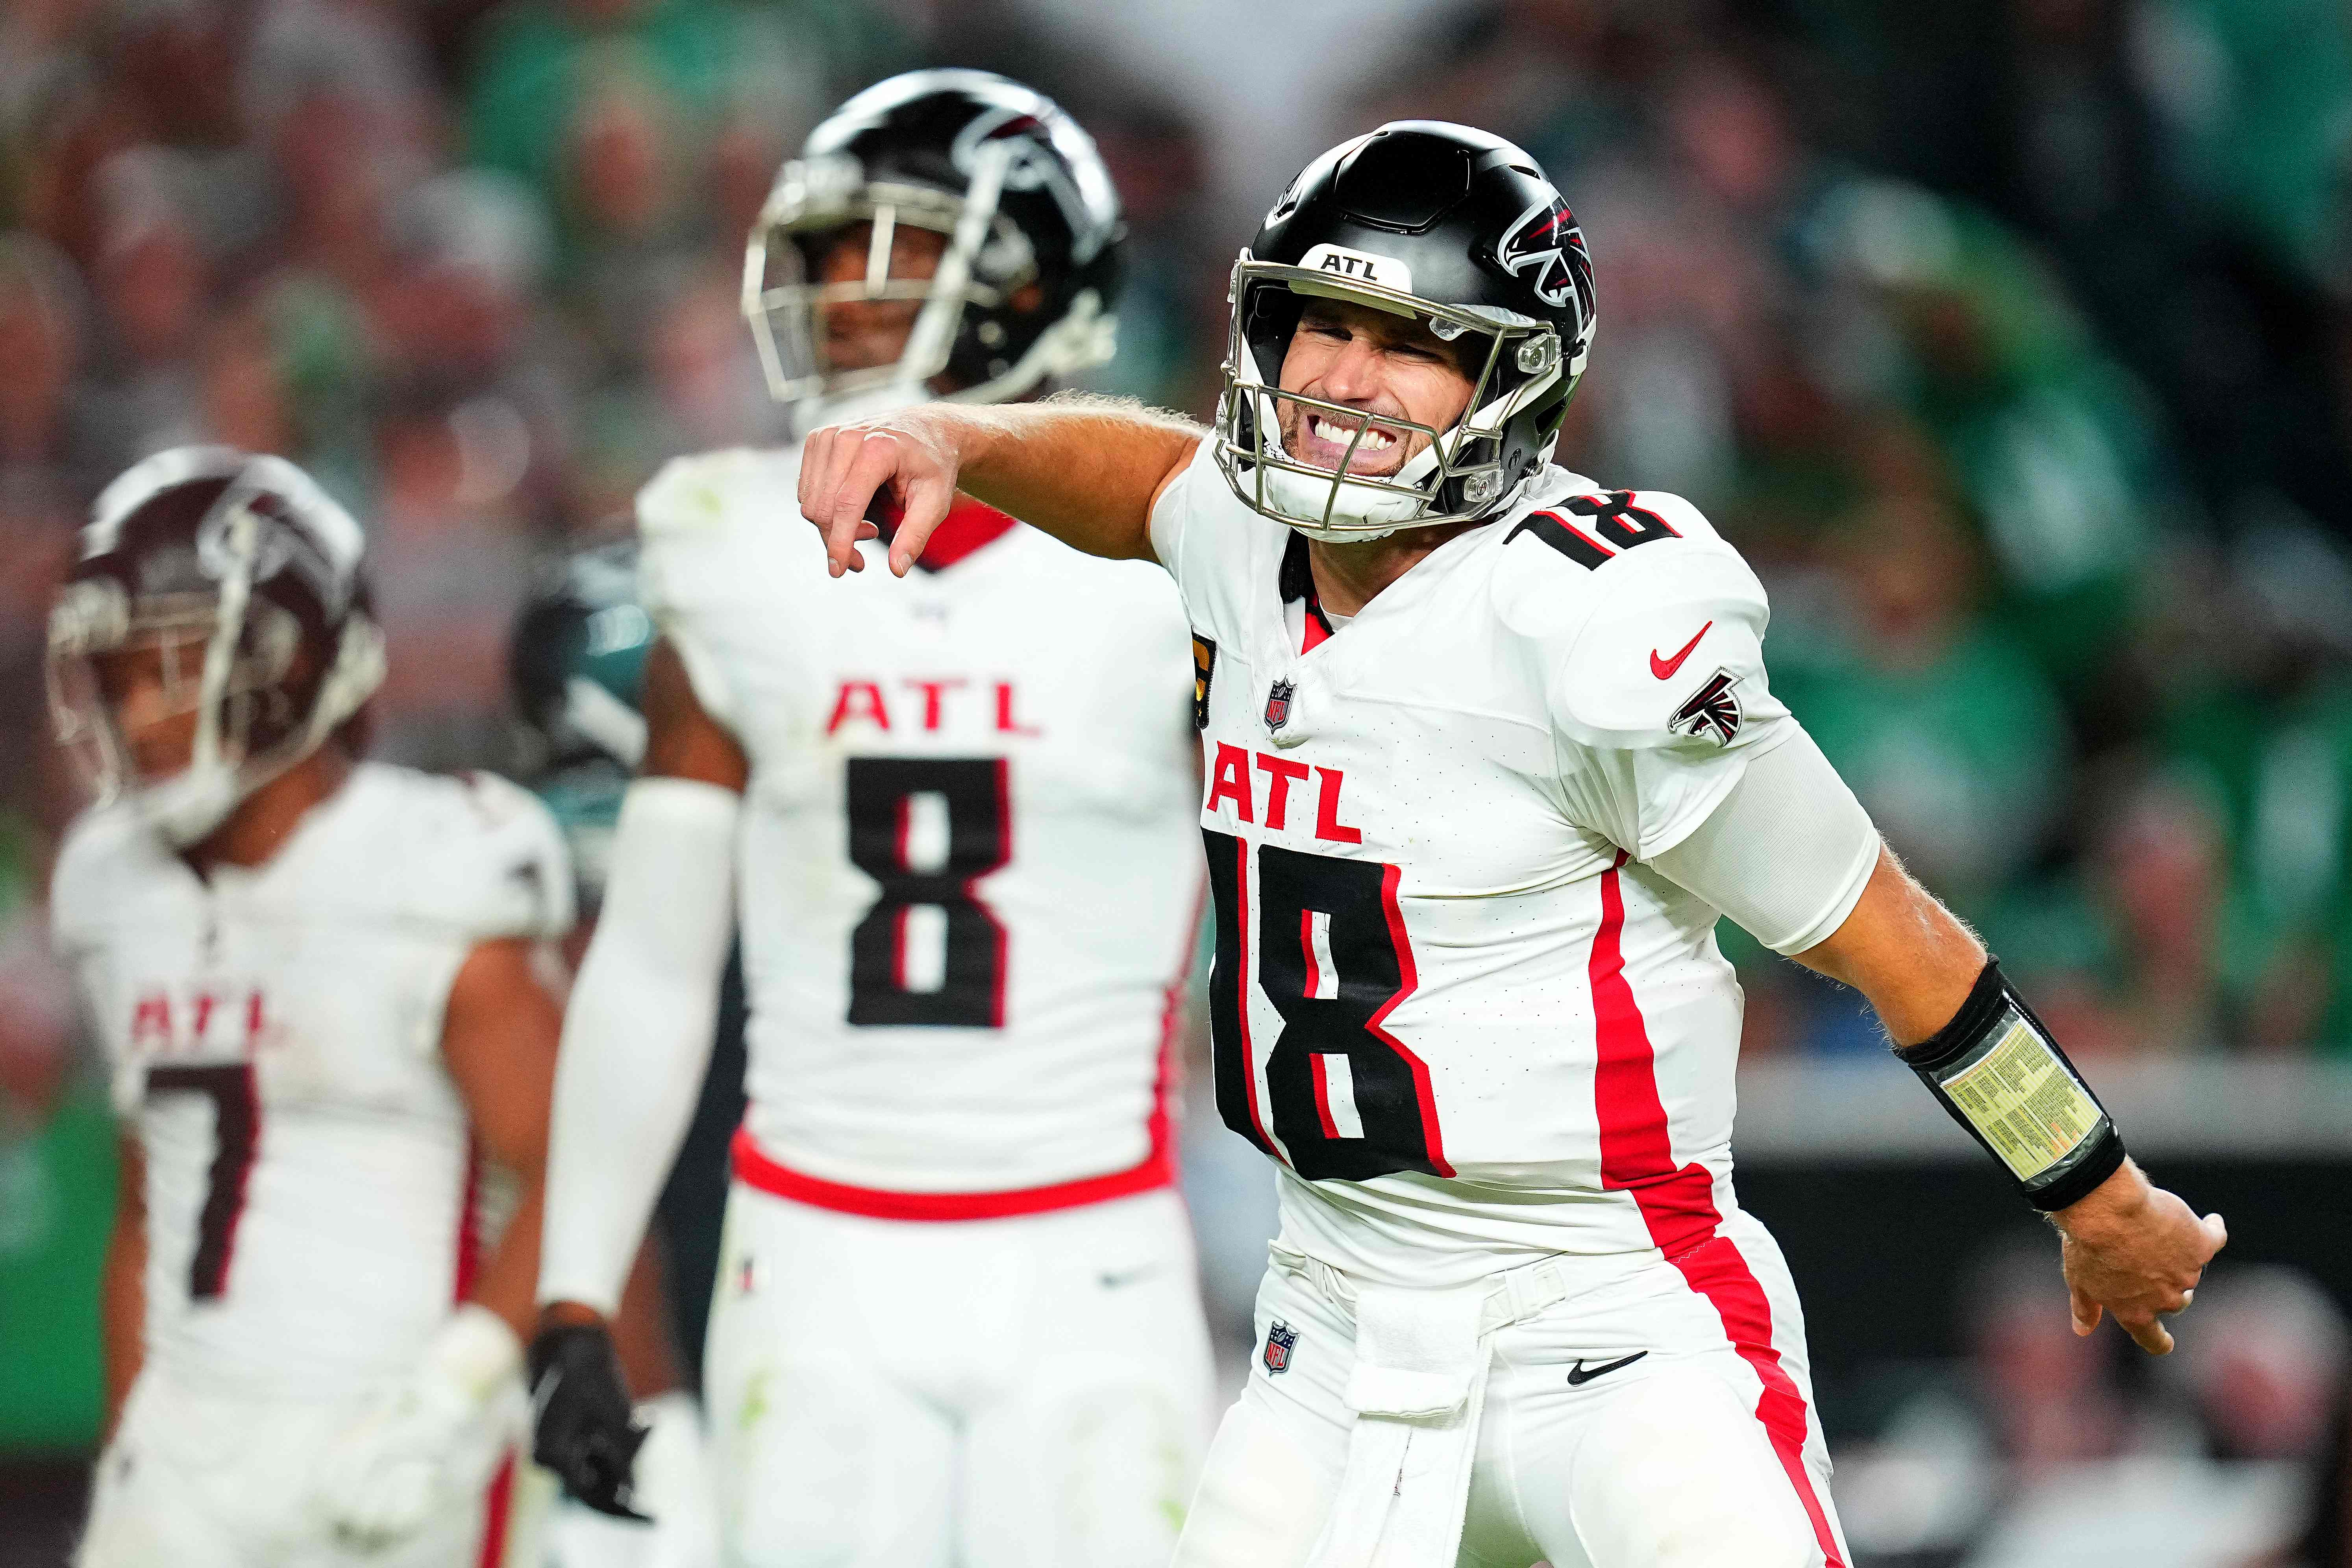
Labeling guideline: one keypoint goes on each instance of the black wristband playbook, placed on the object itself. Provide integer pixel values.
(2001, 1076)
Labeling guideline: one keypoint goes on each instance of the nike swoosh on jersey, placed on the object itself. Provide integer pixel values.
(1579, 1374)
(1664, 668)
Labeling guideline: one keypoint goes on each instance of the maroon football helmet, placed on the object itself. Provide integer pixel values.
(241, 577)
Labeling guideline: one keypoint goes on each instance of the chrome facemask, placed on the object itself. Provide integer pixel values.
(987, 260)
(1341, 507)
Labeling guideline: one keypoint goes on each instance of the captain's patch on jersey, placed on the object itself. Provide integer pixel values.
(1279, 1339)
(1204, 670)
(1713, 710)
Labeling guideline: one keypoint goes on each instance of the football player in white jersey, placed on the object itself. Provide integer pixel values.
(323, 987)
(1489, 746)
(956, 1316)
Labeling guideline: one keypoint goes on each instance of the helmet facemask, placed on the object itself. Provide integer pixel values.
(986, 264)
(1460, 474)
(229, 656)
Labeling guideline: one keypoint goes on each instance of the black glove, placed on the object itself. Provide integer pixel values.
(584, 1429)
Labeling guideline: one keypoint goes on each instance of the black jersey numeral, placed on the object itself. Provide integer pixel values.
(977, 794)
(1606, 523)
(236, 1132)
(1344, 1097)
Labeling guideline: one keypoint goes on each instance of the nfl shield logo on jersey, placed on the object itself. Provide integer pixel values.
(1277, 704)
(1279, 1337)
(1713, 710)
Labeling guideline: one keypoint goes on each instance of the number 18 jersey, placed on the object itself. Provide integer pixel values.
(1449, 998)
(967, 876)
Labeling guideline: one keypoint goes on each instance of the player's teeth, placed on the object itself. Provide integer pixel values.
(1374, 440)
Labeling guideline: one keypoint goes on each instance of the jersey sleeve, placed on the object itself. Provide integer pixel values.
(1654, 678)
(683, 532)
(1212, 543)
(488, 864)
(77, 894)
(81, 885)
(1188, 514)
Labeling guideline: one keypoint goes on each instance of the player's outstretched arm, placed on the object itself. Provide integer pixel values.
(1085, 469)
(636, 1044)
(2129, 1247)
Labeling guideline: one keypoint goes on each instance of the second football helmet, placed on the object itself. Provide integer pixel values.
(1031, 223)
(243, 576)
(1448, 225)
(576, 666)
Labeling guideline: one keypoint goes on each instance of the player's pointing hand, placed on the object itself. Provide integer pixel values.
(2134, 1250)
(854, 475)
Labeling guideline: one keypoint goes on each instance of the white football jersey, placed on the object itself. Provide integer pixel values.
(1449, 997)
(276, 1031)
(968, 879)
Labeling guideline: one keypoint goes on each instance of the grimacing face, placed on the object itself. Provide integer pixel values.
(1381, 364)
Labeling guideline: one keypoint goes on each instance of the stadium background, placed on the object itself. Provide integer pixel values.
(2012, 342)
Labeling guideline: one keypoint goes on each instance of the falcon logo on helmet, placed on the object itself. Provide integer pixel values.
(1031, 164)
(1547, 241)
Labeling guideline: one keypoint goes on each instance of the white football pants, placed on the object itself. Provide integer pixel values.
(206, 1480)
(1702, 1453)
(1030, 1391)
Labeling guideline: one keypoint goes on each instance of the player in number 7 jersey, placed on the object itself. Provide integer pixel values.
(955, 1317)
(322, 984)
(1488, 748)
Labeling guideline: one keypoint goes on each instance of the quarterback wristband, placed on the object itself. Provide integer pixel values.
(2002, 1076)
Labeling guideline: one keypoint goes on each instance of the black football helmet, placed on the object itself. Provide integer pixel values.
(245, 576)
(576, 665)
(1450, 226)
(1032, 226)
(576, 661)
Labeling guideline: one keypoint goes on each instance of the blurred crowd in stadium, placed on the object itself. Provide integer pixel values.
(2011, 347)
(2012, 343)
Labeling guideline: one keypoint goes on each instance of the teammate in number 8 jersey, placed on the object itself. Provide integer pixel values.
(1488, 747)
(955, 1317)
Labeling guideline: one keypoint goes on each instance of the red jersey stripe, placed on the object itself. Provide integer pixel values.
(1322, 1094)
(1677, 1204)
(469, 1226)
(754, 1168)
(498, 1509)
